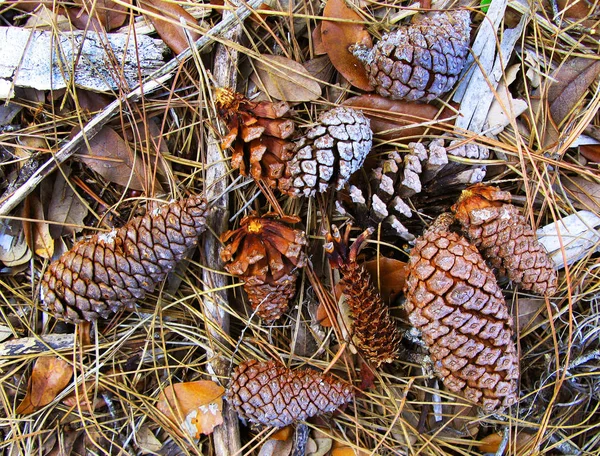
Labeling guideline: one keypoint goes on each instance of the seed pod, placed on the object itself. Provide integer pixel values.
(421, 61)
(266, 393)
(110, 271)
(375, 332)
(452, 297)
(329, 152)
(266, 253)
(259, 134)
(505, 238)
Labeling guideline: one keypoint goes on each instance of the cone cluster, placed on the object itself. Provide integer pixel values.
(272, 395)
(110, 271)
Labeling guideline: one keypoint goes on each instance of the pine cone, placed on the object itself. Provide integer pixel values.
(384, 197)
(266, 393)
(421, 61)
(258, 134)
(266, 254)
(453, 298)
(375, 332)
(329, 152)
(110, 271)
(505, 238)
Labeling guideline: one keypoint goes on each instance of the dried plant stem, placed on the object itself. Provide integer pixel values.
(154, 81)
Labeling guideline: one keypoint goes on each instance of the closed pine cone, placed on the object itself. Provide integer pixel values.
(421, 61)
(329, 153)
(505, 238)
(375, 332)
(259, 134)
(266, 253)
(110, 271)
(269, 394)
(452, 297)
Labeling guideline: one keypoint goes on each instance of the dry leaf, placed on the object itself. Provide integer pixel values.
(322, 317)
(110, 156)
(398, 120)
(49, 377)
(37, 231)
(285, 79)
(491, 443)
(343, 451)
(387, 274)
(65, 207)
(166, 17)
(85, 391)
(585, 194)
(283, 434)
(276, 448)
(320, 68)
(497, 117)
(14, 250)
(337, 37)
(99, 15)
(575, 9)
(195, 406)
(591, 152)
(530, 312)
(318, 47)
(323, 446)
(147, 441)
(5, 332)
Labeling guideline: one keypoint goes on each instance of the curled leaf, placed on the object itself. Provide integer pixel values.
(167, 18)
(337, 37)
(49, 377)
(285, 79)
(388, 274)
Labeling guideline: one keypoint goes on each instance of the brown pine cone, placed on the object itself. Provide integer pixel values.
(452, 297)
(375, 332)
(259, 134)
(110, 271)
(266, 253)
(421, 61)
(329, 152)
(266, 393)
(505, 238)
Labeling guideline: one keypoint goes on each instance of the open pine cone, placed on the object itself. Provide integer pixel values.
(110, 271)
(375, 332)
(266, 253)
(452, 297)
(505, 238)
(329, 153)
(269, 394)
(259, 134)
(421, 61)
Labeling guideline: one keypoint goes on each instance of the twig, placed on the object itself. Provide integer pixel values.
(153, 82)
(38, 344)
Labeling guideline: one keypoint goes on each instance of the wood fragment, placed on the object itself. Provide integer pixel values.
(39, 344)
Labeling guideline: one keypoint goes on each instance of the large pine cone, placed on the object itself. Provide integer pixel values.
(266, 393)
(266, 253)
(384, 196)
(259, 134)
(375, 332)
(110, 271)
(505, 238)
(453, 298)
(329, 152)
(421, 61)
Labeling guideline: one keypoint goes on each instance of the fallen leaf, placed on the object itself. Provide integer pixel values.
(195, 406)
(166, 17)
(276, 448)
(504, 108)
(147, 441)
(14, 250)
(591, 152)
(584, 193)
(399, 120)
(317, 40)
(50, 375)
(65, 207)
(110, 156)
(491, 443)
(285, 79)
(388, 275)
(37, 231)
(47, 18)
(338, 36)
(530, 312)
(5, 332)
(320, 68)
(322, 317)
(575, 9)
(99, 15)
(343, 451)
(85, 392)
(283, 434)
(323, 446)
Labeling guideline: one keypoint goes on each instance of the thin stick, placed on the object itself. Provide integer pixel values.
(152, 83)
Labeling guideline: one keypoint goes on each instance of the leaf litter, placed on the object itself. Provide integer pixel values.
(172, 339)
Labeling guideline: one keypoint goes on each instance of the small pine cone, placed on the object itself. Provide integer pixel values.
(329, 153)
(452, 297)
(266, 254)
(110, 271)
(259, 134)
(421, 61)
(505, 238)
(375, 333)
(266, 393)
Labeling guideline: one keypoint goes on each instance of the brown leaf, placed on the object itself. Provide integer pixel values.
(85, 392)
(49, 377)
(576, 9)
(65, 207)
(318, 47)
(531, 312)
(398, 120)
(195, 406)
(38, 231)
(338, 36)
(99, 15)
(491, 443)
(570, 83)
(166, 17)
(584, 193)
(320, 68)
(591, 152)
(285, 79)
(110, 156)
(391, 274)
(283, 434)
